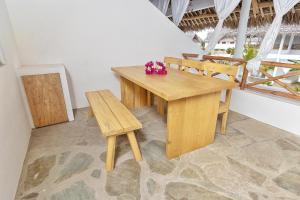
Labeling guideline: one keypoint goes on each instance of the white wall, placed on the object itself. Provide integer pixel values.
(278, 112)
(90, 37)
(14, 126)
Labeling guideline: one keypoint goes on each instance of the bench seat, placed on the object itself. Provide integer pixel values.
(113, 119)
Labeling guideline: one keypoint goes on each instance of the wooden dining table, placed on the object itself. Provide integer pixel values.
(192, 104)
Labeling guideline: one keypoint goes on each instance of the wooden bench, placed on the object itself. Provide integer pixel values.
(113, 119)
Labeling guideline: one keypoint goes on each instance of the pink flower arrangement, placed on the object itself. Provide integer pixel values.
(159, 68)
(149, 67)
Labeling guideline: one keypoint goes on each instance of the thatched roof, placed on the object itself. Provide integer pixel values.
(262, 13)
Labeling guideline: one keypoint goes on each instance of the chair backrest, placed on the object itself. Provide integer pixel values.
(192, 64)
(213, 69)
(190, 55)
(173, 61)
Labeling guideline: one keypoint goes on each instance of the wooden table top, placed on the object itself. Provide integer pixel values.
(175, 85)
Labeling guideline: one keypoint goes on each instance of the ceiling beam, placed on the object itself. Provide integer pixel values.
(195, 5)
(254, 8)
(259, 8)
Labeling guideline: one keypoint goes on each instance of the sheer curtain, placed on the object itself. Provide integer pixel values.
(162, 5)
(178, 9)
(281, 8)
(223, 9)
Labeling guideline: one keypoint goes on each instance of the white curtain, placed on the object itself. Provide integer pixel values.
(178, 9)
(223, 9)
(162, 5)
(281, 8)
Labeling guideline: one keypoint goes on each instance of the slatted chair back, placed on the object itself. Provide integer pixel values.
(190, 55)
(169, 61)
(213, 69)
(188, 64)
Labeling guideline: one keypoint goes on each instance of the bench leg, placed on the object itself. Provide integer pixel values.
(134, 146)
(90, 113)
(110, 155)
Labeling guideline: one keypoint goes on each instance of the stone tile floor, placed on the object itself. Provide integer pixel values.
(253, 161)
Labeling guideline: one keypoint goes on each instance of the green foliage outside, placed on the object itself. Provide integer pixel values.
(295, 62)
(266, 67)
(250, 52)
(230, 51)
(268, 83)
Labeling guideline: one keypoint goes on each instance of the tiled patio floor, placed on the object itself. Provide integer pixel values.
(252, 161)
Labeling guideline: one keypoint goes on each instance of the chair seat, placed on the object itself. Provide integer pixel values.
(223, 108)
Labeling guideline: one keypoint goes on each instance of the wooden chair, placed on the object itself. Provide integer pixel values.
(188, 64)
(113, 119)
(173, 61)
(213, 69)
(161, 103)
(190, 55)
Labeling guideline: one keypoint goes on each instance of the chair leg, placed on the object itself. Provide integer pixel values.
(224, 122)
(134, 146)
(110, 154)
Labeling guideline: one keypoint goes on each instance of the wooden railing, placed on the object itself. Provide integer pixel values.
(235, 61)
(288, 92)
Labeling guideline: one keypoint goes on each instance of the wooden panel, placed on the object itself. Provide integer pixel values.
(191, 123)
(174, 85)
(112, 116)
(46, 100)
(132, 95)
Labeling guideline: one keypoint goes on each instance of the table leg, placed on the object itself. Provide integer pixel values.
(149, 98)
(132, 95)
(161, 103)
(191, 123)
